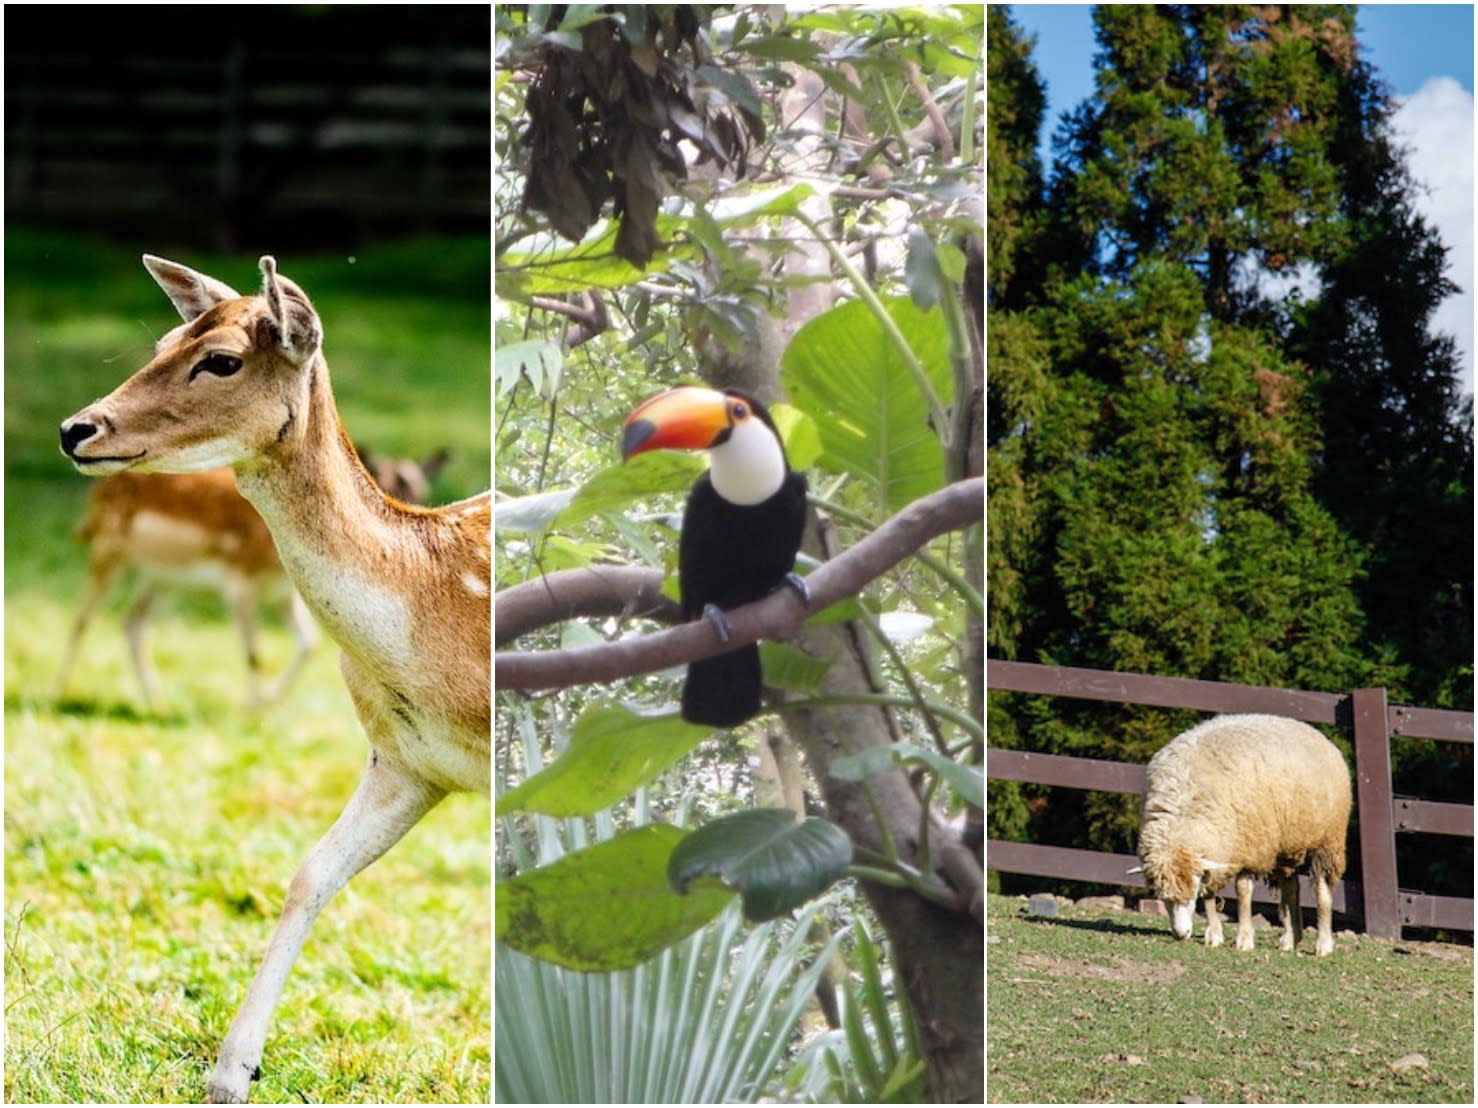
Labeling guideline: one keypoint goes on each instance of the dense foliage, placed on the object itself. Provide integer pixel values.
(1223, 442)
(819, 224)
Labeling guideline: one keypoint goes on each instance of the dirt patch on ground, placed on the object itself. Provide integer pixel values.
(1122, 969)
(1446, 952)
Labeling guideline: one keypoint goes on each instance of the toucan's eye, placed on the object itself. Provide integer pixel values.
(740, 411)
(217, 365)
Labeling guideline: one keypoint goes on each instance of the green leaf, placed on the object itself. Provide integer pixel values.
(607, 907)
(782, 48)
(617, 486)
(845, 609)
(553, 267)
(613, 751)
(773, 862)
(799, 434)
(873, 419)
(786, 667)
(541, 361)
(968, 781)
(705, 1022)
(922, 272)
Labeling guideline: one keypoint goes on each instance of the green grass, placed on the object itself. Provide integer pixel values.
(1091, 1007)
(147, 854)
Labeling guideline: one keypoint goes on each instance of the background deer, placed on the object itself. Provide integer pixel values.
(183, 530)
(404, 591)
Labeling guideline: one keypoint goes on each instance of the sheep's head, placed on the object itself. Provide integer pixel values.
(1177, 877)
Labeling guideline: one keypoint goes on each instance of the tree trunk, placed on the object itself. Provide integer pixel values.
(939, 952)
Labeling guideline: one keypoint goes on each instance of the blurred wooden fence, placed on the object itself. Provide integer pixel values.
(242, 127)
(1364, 714)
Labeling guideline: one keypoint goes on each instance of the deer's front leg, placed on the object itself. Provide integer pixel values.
(387, 803)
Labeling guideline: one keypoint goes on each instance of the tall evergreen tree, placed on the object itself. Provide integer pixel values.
(1016, 381)
(1397, 465)
(1012, 125)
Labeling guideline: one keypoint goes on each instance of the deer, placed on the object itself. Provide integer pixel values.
(404, 591)
(194, 529)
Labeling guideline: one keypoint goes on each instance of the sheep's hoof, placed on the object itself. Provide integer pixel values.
(1322, 948)
(1246, 942)
(1285, 942)
(1213, 937)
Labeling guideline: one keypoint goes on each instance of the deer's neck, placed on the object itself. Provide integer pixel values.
(353, 556)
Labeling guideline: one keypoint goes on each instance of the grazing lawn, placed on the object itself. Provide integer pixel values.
(1093, 1007)
(147, 853)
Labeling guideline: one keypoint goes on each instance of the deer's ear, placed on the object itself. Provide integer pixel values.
(298, 330)
(191, 293)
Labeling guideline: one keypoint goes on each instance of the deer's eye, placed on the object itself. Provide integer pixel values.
(218, 365)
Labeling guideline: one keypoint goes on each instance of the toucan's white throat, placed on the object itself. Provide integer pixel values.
(750, 467)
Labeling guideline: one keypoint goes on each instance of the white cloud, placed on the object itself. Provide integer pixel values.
(1436, 125)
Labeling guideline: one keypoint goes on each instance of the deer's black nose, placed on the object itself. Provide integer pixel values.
(74, 435)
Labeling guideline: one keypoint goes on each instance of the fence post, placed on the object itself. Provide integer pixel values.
(1377, 821)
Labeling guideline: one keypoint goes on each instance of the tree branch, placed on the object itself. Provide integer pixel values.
(777, 616)
(944, 140)
(597, 590)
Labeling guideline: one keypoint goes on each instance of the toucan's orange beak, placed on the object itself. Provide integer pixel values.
(680, 419)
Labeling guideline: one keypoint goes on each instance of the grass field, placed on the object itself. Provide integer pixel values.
(147, 854)
(1094, 1007)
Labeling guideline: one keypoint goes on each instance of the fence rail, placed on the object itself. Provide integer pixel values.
(1364, 713)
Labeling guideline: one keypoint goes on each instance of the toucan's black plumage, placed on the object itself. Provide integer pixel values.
(741, 529)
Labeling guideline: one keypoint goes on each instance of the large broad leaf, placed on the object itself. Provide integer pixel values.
(787, 667)
(613, 751)
(798, 432)
(773, 862)
(874, 419)
(606, 907)
(968, 781)
(705, 1022)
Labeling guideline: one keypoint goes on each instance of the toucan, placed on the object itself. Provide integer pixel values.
(741, 530)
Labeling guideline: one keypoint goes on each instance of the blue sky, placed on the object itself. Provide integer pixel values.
(1423, 51)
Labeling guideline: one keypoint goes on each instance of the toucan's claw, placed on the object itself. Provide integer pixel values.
(715, 615)
(798, 583)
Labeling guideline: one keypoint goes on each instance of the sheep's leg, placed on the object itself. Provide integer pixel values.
(1213, 922)
(1290, 915)
(1324, 898)
(1245, 940)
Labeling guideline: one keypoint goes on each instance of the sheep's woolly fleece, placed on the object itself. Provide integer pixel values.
(1250, 793)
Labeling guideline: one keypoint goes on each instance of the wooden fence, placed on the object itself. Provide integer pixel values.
(265, 127)
(1364, 714)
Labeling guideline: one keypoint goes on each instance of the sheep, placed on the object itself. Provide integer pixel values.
(1245, 796)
